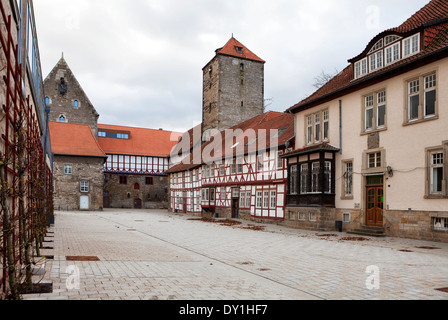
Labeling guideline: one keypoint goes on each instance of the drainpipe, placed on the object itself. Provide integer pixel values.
(340, 126)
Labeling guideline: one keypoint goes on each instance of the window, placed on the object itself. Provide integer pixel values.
(348, 179)
(411, 45)
(312, 216)
(302, 216)
(113, 135)
(326, 125)
(149, 181)
(273, 201)
(68, 169)
(375, 111)
(123, 180)
(223, 193)
(315, 176)
(346, 217)
(248, 199)
(212, 194)
(293, 179)
(259, 198)
(381, 109)
(436, 177)
(414, 99)
(422, 98)
(440, 224)
(62, 119)
(222, 170)
(239, 166)
(430, 95)
(242, 199)
(235, 193)
(239, 49)
(393, 53)
(136, 186)
(360, 68)
(84, 186)
(327, 177)
(376, 61)
(309, 130)
(233, 167)
(47, 100)
(317, 127)
(266, 199)
(374, 160)
(369, 112)
(76, 104)
(279, 160)
(304, 178)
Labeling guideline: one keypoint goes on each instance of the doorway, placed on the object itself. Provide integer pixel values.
(137, 203)
(375, 201)
(84, 203)
(235, 208)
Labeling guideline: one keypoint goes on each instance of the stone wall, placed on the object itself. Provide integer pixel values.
(415, 225)
(64, 104)
(231, 94)
(152, 196)
(68, 186)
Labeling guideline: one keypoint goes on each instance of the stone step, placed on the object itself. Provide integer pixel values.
(369, 231)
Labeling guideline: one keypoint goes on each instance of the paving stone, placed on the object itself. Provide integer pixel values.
(192, 260)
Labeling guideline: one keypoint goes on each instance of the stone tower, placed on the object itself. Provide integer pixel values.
(67, 100)
(233, 87)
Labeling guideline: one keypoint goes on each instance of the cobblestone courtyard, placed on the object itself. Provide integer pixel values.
(155, 255)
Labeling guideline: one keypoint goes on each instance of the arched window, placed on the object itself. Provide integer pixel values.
(136, 186)
(62, 119)
(76, 104)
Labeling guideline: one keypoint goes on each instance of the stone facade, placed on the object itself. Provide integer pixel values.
(233, 92)
(68, 100)
(67, 182)
(151, 195)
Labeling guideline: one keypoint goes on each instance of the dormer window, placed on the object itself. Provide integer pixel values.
(62, 119)
(385, 52)
(411, 46)
(239, 49)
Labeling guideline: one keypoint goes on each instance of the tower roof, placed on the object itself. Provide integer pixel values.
(235, 48)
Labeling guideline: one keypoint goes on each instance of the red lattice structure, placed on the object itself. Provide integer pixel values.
(25, 176)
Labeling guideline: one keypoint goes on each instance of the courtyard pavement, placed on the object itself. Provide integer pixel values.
(156, 255)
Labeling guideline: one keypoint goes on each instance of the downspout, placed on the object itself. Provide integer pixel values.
(340, 126)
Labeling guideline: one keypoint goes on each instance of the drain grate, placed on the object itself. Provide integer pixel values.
(82, 258)
(443, 290)
(37, 288)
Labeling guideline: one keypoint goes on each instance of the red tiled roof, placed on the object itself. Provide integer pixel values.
(141, 142)
(432, 19)
(74, 140)
(255, 127)
(230, 49)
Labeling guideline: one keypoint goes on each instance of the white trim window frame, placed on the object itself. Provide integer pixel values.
(430, 95)
(381, 109)
(411, 45)
(84, 187)
(369, 112)
(413, 99)
(376, 61)
(436, 172)
(361, 68)
(273, 199)
(68, 169)
(392, 53)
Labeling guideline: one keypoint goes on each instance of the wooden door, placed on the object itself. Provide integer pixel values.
(235, 208)
(375, 206)
(137, 203)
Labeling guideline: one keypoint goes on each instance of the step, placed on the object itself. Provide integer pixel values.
(364, 232)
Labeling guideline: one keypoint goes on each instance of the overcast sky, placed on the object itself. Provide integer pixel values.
(140, 61)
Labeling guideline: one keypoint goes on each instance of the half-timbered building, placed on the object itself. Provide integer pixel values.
(241, 174)
(134, 172)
